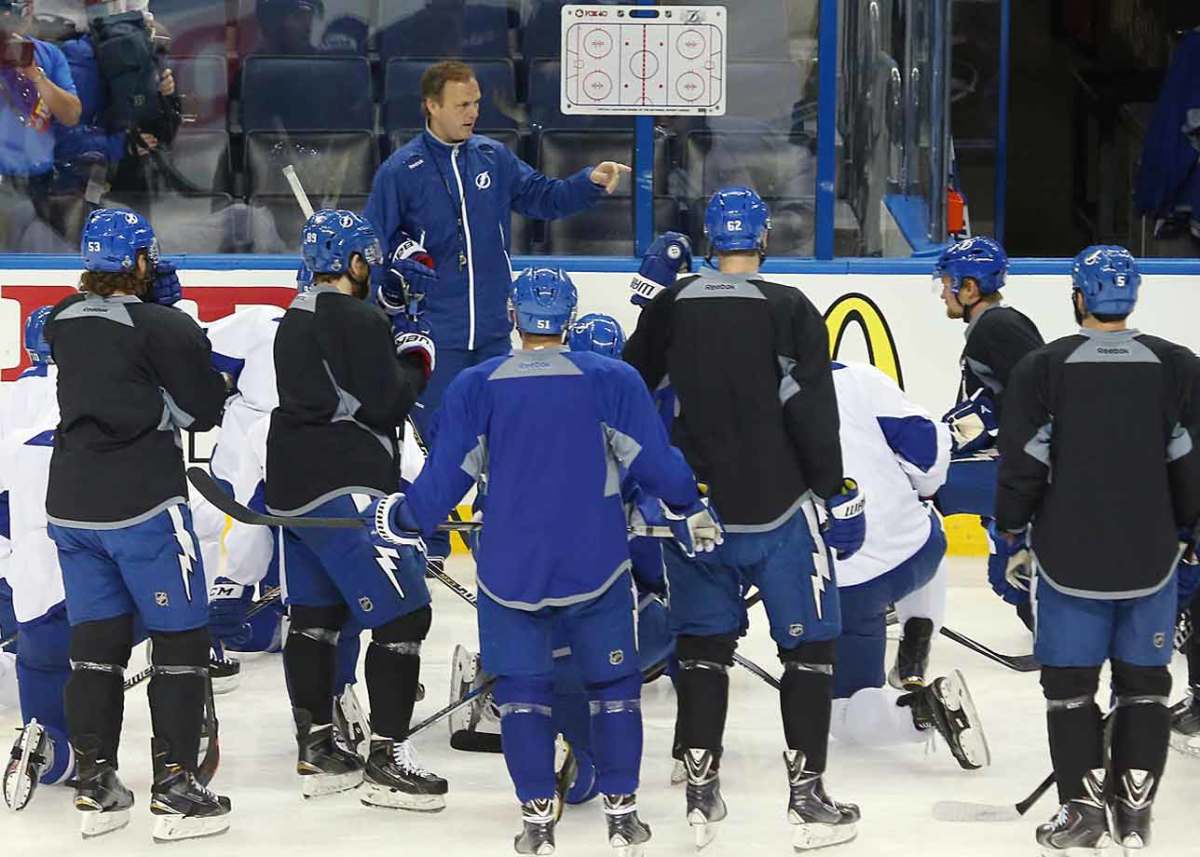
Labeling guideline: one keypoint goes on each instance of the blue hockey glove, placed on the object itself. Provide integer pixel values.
(643, 510)
(1010, 566)
(670, 253)
(973, 424)
(228, 604)
(408, 277)
(696, 528)
(393, 522)
(846, 527)
(165, 289)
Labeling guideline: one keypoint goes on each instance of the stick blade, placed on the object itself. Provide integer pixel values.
(966, 811)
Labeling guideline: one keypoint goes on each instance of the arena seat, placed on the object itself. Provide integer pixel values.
(327, 163)
(444, 28)
(201, 223)
(195, 27)
(203, 87)
(313, 93)
(775, 165)
(279, 218)
(606, 229)
(560, 153)
(202, 158)
(402, 93)
(544, 98)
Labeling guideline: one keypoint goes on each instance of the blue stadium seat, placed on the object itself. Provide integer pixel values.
(190, 224)
(341, 27)
(443, 28)
(606, 229)
(544, 97)
(203, 86)
(330, 163)
(195, 27)
(202, 158)
(541, 30)
(560, 153)
(510, 138)
(277, 219)
(314, 93)
(760, 93)
(402, 93)
(776, 165)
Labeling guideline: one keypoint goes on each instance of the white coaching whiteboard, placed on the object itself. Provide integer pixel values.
(631, 60)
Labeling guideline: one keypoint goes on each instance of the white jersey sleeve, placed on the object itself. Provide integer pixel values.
(32, 569)
(243, 344)
(248, 548)
(898, 454)
(31, 399)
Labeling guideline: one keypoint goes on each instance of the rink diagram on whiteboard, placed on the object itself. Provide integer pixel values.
(643, 59)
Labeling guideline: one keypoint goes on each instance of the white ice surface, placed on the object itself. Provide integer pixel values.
(896, 788)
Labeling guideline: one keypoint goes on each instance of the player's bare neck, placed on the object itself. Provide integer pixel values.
(532, 342)
(738, 263)
(1090, 322)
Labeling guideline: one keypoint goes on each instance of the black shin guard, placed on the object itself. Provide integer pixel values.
(310, 659)
(805, 701)
(1192, 646)
(1074, 726)
(177, 691)
(393, 671)
(703, 688)
(94, 698)
(1142, 721)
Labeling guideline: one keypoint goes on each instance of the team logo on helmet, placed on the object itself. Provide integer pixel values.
(347, 221)
(131, 218)
(674, 251)
(484, 180)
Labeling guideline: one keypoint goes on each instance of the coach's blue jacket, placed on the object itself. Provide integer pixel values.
(420, 190)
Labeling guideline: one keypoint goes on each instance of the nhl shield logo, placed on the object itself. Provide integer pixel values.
(795, 630)
(365, 604)
(1160, 640)
(616, 657)
(161, 599)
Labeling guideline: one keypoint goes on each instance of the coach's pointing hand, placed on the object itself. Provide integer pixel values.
(608, 175)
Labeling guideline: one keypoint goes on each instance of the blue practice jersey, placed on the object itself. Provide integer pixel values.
(545, 435)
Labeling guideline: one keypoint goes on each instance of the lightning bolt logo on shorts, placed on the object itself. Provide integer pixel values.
(820, 575)
(187, 549)
(387, 559)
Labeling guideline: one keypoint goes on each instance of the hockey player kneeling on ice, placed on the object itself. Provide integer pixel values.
(347, 379)
(1100, 472)
(574, 575)
(41, 752)
(724, 336)
(132, 372)
(902, 454)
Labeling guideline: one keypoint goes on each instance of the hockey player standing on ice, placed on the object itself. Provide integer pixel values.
(1099, 472)
(757, 419)
(454, 192)
(41, 753)
(902, 455)
(132, 372)
(347, 379)
(971, 274)
(553, 556)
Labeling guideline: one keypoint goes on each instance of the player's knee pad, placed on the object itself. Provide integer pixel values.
(525, 694)
(45, 645)
(712, 653)
(317, 623)
(1134, 685)
(816, 656)
(180, 651)
(103, 645)
(405, 631)
(620, 694)
(1066, 687)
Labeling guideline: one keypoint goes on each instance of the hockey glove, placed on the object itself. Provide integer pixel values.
(407, 278)
(413, 337)
(643, 510)
(1010, 566)
(394, 523)
(696, 528)
(973, 424)
(228, 604)
(846, 527)
(670, 253)
(165, 288)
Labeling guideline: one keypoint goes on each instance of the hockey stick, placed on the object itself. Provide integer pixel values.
(208, 488)
(960, 810)
(465, 699)
(1019, 663)
(293, 180)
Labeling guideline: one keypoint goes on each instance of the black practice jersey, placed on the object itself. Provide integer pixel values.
(757, 413)
(1097, 453)
(997, 338)
(342, 396)
(130, 376)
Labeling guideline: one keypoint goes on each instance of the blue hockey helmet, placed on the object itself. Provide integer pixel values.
(542, 301)
(112, 238)
(1108, 277)
(978, 258)
(736, 219)
(36, 345)
(599, 333)
(331, 237)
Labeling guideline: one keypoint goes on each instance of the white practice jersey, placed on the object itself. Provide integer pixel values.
(30, 398)
(898, 454)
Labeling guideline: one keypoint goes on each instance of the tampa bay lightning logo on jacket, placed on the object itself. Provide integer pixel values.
(484, 180)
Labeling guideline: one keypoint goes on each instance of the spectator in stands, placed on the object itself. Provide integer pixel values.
(36, 94)
(453, 191)
(286, 26)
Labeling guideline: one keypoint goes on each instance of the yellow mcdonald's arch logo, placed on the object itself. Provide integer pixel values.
(859, 309)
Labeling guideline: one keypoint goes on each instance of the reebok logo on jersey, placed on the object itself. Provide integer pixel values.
(719, 287)
(537, 364)
(1113, 350)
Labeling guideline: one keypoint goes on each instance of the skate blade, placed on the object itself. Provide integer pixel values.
(678, 773)
(318, 785)
(18, 785)
(386, 798)
(703, 832)
(173, 828)
(543, 850)
(225, 684)
(1102, 850)
(624, 849)
(956, 697)
(1189, 745)
(18, 788)
(806, 837)
(93, 824)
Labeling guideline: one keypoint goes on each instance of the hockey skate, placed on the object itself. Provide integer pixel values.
(912, 658)
(395, 779)
(1080, 827)
(182, 807)
(100, 795)
(475, 727)
(224, 672)
(1130, 806)
(32, 754)
(323, 766)
(705, 806)
(351, 728)
(627, 834)
(946, 705)
(538, 820)
(817, 819)
(1185, 724)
